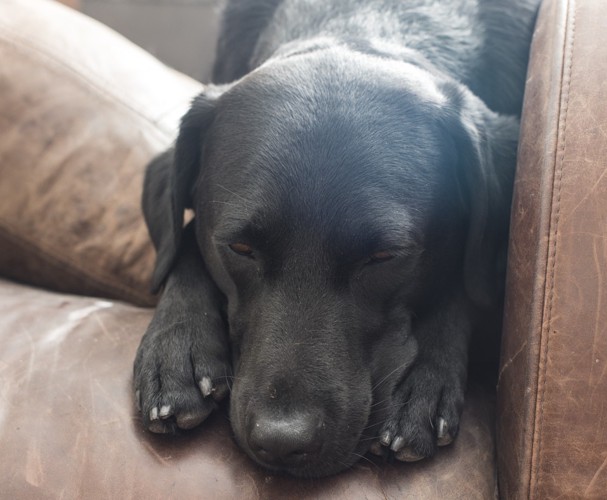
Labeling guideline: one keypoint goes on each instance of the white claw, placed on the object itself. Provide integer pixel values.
(165, 411)
(154, 413)
(206, 386)
(443, 436)
(442, 427)
(397, 443)
(385, 438)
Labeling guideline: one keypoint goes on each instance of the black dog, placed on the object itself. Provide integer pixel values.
(351, 178)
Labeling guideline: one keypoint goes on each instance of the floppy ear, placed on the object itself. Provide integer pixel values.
(486, 144)
(167, 189)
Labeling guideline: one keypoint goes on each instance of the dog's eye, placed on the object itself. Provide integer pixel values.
(241, 249)
(381, 256)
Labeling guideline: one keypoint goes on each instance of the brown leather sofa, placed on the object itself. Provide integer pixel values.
(81, 112)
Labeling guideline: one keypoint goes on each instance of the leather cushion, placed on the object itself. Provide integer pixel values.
(82, 111)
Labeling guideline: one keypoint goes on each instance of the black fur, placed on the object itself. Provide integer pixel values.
(351, 181)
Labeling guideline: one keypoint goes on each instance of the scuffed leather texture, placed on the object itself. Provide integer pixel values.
(552, 394)
(82, 111)
(68, 428)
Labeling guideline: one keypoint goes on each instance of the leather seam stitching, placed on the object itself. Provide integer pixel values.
(557, 189)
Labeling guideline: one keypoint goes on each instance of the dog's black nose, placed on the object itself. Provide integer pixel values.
(288, 440)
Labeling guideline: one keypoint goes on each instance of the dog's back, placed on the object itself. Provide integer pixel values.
(481, 45)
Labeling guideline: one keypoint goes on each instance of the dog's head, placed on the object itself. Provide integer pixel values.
(336, 196)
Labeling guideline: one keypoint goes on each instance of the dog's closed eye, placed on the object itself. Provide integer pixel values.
(381, 256)
(375, 258)
(242, 249)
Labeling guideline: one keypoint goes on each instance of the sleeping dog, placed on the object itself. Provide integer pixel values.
(350, 172)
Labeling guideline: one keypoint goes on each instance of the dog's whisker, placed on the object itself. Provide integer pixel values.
(378, 424)
(380, 402)
(345, 465)
(362, 457)
(224, 203)
(221, 186)
(400, 367)
(388, 407)
(364, 440)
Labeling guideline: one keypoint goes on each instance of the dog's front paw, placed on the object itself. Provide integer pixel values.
(180, 373)
(426, 409)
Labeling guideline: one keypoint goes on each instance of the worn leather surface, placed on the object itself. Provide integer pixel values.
(552, 395)
(68, 428)
(82, 110)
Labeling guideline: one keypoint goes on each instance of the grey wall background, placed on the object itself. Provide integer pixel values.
(181, 33)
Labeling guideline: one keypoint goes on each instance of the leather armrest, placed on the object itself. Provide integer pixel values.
(552, 392)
